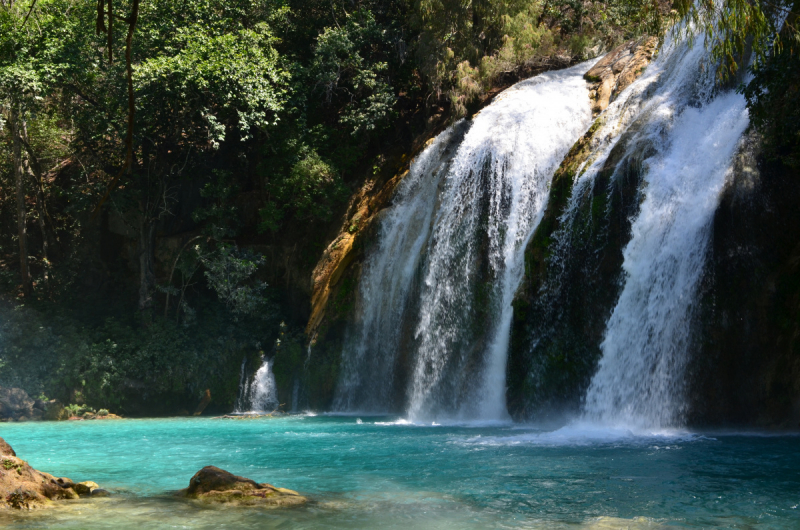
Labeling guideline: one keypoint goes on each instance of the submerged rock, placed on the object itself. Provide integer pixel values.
(21, 486)
(212, 484)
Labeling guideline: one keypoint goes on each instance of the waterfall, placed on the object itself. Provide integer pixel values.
(434, 305)
(691, 129)
(260, 394)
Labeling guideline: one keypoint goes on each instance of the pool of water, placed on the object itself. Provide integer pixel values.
(383, 473)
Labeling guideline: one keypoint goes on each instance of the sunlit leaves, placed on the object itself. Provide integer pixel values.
(231, 79)
(733, 27)
(343, 71)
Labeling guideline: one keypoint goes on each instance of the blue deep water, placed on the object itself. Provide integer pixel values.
(383, 473)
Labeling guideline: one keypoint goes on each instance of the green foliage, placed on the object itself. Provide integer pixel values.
(213, 84)
(74, 409)
(772, 97)
(229, 272)
(452, 32)
(310, 180)
(733, 27)
(118, 366)
(342, 70)
(310, 192)
(466, 47)
(219, 214)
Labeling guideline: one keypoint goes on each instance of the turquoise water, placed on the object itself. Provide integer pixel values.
(379, 473)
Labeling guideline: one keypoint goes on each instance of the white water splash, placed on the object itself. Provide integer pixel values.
(440, 282)
(694, 130)
(589, 434)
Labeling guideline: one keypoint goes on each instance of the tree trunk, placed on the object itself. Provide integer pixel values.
(19, 178)
(34, 169)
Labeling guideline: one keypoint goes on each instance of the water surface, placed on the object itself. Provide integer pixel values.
(382, 473)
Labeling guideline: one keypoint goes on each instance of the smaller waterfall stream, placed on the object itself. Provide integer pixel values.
(260, 394)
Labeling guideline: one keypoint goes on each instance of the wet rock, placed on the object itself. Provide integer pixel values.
(109, 416)
(212, 478)
(100, 492)
(85, 488)
(23, 487)
(746, 370)
(65, 483)
(212, 484)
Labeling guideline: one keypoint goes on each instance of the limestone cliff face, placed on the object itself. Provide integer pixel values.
(341, 252)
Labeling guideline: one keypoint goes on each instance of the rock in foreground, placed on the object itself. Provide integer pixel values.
(21, 486)
(212, 484)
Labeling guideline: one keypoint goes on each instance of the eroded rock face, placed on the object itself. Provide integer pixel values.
(22, 487)
(618, 69)
(212, 484)
(342, 250)
(17, 405)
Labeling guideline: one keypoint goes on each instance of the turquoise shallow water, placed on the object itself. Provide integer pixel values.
(380, 473)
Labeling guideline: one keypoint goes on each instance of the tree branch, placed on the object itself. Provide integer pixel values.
(33, 4)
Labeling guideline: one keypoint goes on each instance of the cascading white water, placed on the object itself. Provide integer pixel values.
(386, 281)
(260, 394)
(693, 129)
(439, 283)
